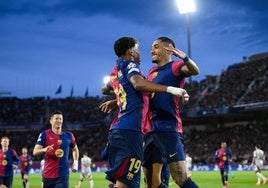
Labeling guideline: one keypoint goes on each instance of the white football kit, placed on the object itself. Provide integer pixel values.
(258, 154)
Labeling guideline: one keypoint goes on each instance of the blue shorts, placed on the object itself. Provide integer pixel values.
(6, 180)
(125, 157)
(62, 182)
(163, 147)
(24, 173)
(224, 169)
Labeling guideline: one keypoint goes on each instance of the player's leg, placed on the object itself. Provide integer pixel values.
(226, 177)
(174, 154)
(156, 176)
(25, 180)
(152, 163)
(222, 176)
(258, 174)
(7, 181)
(22, 178)
(125, 157)
(178, 172)
(165, 175)
(80, 181)
(91, 182)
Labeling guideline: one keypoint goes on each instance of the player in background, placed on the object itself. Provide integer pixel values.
(188, 163)
(42, 166)
(257, 162)
(25, 165)
(223, 156)
(85, 171)
(56, 144)
(9, 161)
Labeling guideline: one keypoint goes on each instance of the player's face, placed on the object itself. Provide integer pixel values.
(4, 142)
(136, 54)
(56, 121)
(24, 151)
(223, 145)
(158, 52)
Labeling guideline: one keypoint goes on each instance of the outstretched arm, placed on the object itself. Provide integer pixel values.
(140, 84)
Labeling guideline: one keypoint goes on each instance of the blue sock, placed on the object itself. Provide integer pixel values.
(162, 185)
(189, 184)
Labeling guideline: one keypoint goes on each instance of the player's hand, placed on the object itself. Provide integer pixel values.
(108, 106)
(185, 97)
(75, 166)
(175, 51)
(15, 166)
(49, 148)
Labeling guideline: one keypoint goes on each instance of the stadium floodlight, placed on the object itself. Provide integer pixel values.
(106, 79)
(186, 7)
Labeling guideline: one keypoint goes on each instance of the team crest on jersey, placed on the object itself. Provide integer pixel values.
(4, 162)
(59, 153)
(130, 176)
(119, 74)
(154, 75)
(59, 142)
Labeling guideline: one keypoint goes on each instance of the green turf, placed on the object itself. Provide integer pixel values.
(245, 179)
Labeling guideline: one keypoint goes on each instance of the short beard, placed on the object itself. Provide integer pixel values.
(154, 61)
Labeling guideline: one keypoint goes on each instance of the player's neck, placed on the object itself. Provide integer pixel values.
(57, 131)
(163, 62)
(4, 149)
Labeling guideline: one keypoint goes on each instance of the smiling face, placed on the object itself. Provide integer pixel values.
(56, 121)
(159, 54)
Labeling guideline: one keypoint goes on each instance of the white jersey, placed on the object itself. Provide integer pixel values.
(86, 167)
(188, 162)
(42, 165)
(258, 156)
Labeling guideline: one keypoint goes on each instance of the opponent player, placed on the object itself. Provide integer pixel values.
(25, 164)
(188, 163)
(257, 162)
(85, 170)
(223, 156)
(56, 144)
(9, 161)
(42, 166)
(125, 137)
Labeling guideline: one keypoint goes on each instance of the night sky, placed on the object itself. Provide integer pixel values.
(45, 44)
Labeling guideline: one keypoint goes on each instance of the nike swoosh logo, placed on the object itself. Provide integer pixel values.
(172, 155)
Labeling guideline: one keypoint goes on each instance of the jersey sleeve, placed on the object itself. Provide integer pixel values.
(73, 142)
(41, 139)
(15, 157)
(131, 69)
(176, 68)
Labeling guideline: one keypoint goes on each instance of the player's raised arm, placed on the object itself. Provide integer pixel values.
(190, 67)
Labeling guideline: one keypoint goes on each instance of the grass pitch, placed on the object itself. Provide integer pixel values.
(242, 179)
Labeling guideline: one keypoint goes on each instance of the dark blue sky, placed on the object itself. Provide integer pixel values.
(44, 44)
